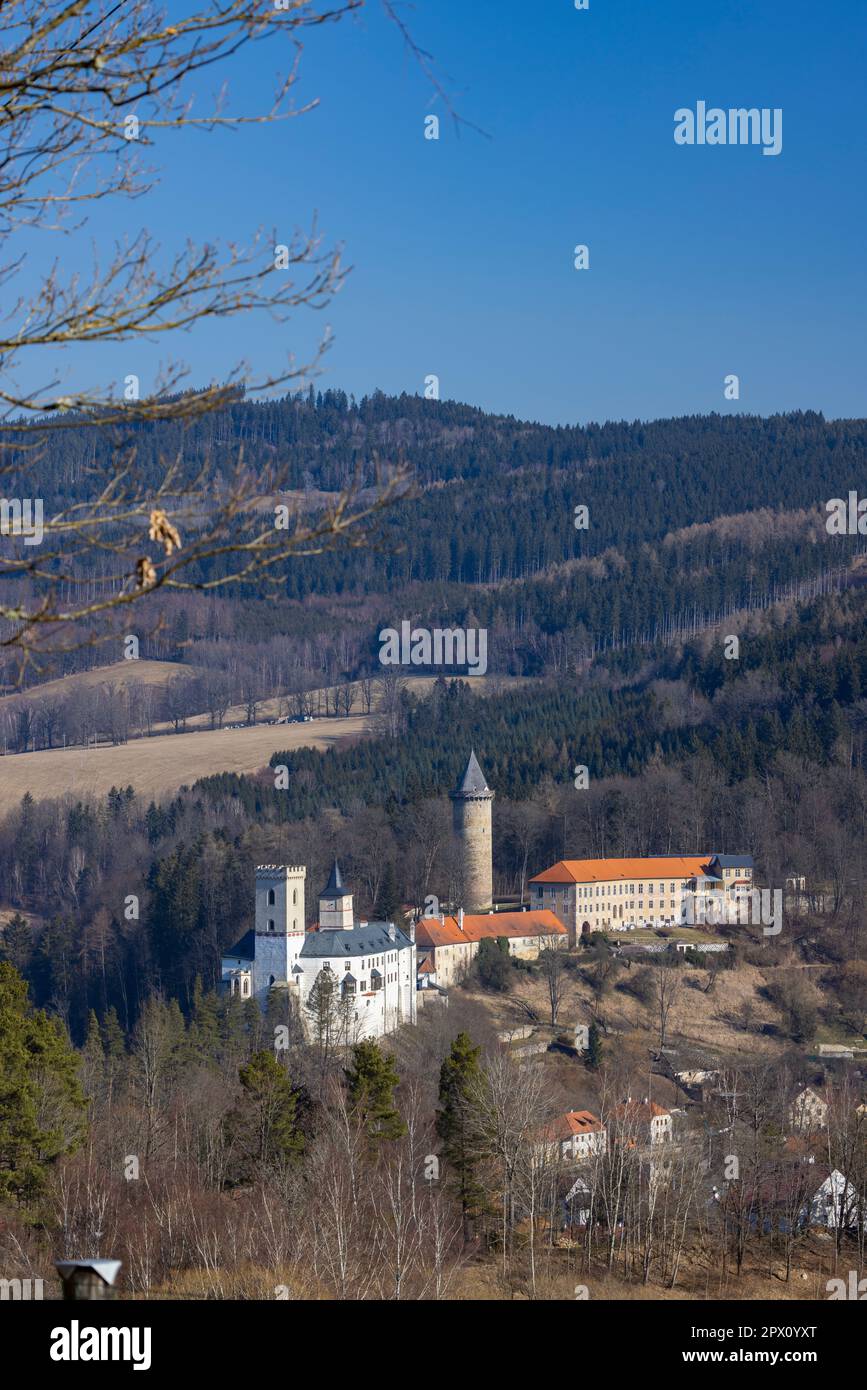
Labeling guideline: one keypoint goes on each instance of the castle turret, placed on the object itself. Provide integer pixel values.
(471, 816)
(335, 903)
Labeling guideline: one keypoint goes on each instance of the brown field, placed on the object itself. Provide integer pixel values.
(160, 672)
(117, 673)
(157, 766)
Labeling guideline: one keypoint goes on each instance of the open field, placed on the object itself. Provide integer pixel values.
(157, 766)
(117, 673)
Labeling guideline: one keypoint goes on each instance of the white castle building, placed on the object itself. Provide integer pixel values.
(368, 969)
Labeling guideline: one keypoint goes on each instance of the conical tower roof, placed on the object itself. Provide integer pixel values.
(335, 887)
(473, 781)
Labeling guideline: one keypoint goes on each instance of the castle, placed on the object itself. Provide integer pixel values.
(350, 979)
(355, 979)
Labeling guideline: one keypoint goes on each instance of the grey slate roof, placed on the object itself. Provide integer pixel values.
(335, 887)
(245, 948)
(370, 939)
(733, 861)
(473, 781)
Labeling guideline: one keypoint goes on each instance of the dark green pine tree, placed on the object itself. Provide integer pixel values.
(263, 1128)
(112, 1037)
(42, 1106)
(457, 1125)
(493, 967)
(204, 1029)
(388, 906)
(372, 1080)
(594, 1047)
(93, 1068)
(16, 943)
(234, 1019)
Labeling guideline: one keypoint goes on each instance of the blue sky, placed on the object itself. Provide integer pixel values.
(703, 261)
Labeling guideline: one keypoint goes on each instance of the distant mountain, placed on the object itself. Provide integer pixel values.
(687, 520)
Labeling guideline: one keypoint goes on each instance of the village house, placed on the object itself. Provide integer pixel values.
(573, 1136)
(809, 1110)
(799, 1193)
(590, 895)
(835, 1204)
(642, 1123)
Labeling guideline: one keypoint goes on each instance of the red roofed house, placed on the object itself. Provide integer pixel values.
(574, 1135)
(640, 1123)
(452, 942)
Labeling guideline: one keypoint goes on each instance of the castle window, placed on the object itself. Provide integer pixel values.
(294, 897)
(270, 923)
(271, 898)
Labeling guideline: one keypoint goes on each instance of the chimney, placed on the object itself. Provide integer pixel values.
(461, 918)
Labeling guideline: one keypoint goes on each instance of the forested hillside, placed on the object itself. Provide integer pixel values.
(688, 520)
(764, 754)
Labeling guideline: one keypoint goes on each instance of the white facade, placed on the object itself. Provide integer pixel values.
(279, 925)
(835, 1205)
(369, 966)
(377, 979)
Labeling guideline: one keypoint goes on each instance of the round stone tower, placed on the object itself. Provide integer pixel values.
(471, 815)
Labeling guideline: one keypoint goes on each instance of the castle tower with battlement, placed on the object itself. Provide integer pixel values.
(279, 928)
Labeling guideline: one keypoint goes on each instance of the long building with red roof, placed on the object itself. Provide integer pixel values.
(620, 894)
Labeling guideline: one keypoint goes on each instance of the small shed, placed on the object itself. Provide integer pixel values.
(88, 1279)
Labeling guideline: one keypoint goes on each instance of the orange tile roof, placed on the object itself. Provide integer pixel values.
(640, 1110)
(430, 931)
(540, 922)
(606, 870)
(427, 967)
(580, 1122)
(571, 1122)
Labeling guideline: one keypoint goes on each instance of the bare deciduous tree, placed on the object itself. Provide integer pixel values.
(85, 90)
